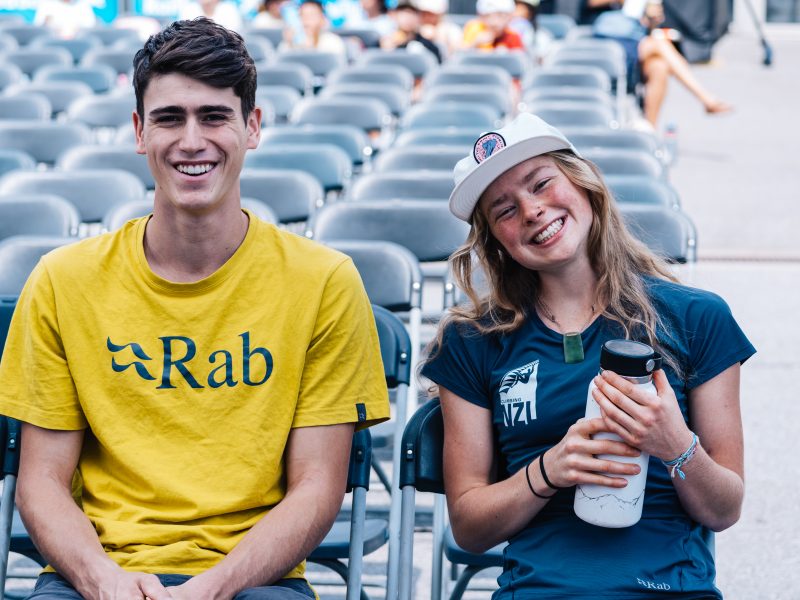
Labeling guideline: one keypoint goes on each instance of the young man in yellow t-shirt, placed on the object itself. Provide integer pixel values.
(201, 372)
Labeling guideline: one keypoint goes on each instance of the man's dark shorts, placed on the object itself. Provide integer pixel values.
(51, 586)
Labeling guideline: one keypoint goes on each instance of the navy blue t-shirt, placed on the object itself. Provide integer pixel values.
(535, 397)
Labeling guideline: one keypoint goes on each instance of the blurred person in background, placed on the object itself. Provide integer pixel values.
(437, 28)
(490, 31)
(537, 40)
(269, 14)
(223, 12)
(651, 56)
(65, 17)
(313, 33)
(407, 35)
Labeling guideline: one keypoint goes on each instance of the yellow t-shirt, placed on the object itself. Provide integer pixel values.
(189, 391)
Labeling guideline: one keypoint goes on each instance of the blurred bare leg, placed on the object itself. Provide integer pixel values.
(656, 75)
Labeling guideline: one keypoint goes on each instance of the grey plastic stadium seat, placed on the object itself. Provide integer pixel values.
(109, 36)
(103, 111)
(349, 138)
(609, 61)
(295, 75)
(577, 114)
(101, 78)
(25, 33)
(448, 136)
(366, 37)
(121, 60)
(620, 161)
(77, 46)
(60, 93)
(15, 160)
(108, 157)
(29, 60)
(329, 164)
(120, 214)
(585, 138)
(580, 76)
(370, 114)
(395, 97)
(413, 158)
(559, 25)
(320, 63)
(18, 257)
(25, 106)
(638, 189)
(486, 75)
(497, 98)
(274, 35)
(430, 185)
(449, 114)
(283, 99)
(291, 194)
(666, 231)
(260, 209)
(9, 75)
(260, 49)
(566, 93)
(418, 64)
(91, 191)
(425, 227)
(382, 74)
(37, 214)
(515, 63)
(7, 42)
(45, 141)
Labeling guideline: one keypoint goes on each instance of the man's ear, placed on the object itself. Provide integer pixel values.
(254, 128)
(138, 128)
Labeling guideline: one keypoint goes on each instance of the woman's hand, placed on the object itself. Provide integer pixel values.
(574, 459)
(651, 422)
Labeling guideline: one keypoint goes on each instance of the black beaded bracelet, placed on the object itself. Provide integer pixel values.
(530, 485)
(544, 474)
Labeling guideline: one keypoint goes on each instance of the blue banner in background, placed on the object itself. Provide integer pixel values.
(105, 10)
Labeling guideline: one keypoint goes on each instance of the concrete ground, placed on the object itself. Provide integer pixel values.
(737, 176)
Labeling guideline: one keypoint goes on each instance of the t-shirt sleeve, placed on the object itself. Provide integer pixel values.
(343, 379)
(456, 364)
(36, 385)
(715, 339)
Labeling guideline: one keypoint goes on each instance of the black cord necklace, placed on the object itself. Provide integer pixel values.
(572, 340)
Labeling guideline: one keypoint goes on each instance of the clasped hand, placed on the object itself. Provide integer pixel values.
(645, 422)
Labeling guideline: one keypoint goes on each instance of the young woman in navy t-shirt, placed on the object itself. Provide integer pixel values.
(557, 258)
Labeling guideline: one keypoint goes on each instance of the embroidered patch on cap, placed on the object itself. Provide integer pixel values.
(487, 145)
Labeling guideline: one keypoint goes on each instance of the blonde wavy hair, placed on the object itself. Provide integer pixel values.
(620, 261)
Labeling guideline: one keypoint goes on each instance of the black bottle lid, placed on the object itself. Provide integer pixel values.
(629, 358)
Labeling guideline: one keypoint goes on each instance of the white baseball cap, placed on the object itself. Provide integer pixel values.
(437, 7)
(496, 152)
(487, 7)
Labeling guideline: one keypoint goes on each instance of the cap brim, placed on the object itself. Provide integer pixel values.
(469, 190)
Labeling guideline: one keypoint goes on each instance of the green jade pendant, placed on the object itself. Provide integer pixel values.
(573, 347)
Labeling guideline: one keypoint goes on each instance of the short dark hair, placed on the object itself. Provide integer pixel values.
(199, 49)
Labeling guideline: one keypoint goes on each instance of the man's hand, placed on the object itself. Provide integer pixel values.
(118, 584)
(196, 588)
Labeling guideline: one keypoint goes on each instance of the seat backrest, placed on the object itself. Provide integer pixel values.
(329, 164)
(665, 230)
(583, 114)
(418, 64)
(109, 36)
(119, 214)
(122, 157)
(403, 186)
(18, 257)
(15, 160)
(558, 25)
(349, 138)
(425, 227)
(103, 111)
(621, 161)
(7, 306)
(448, 136)
(29, 60)
(366, 37)
(259, 48)
(375, 74)
(282, 97)
(449, 114)
(119, 59)
(294, 75)
(582, 76)
(101, 78)
(370, 114)
(640, 189)
(25, 106)
(566, 93)
(610, 62)
(491, 76)
(320, 63)
(274, 35)
(77, 46)
(37, 214)
(9, 75)
(395, 347)
(394, 96)
(498, 99)
(586, 138)
(515, 63)
(423, 445)
(414, 158)
(45, 141)
(293, 195)
(60, 93)
(93, 191)
(390, 272)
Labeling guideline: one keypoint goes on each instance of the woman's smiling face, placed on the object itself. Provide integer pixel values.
(538, 215)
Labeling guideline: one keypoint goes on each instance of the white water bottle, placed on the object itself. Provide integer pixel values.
(608, 506)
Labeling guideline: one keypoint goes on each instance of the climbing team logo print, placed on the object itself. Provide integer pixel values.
(487, 144)
(518, 395)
